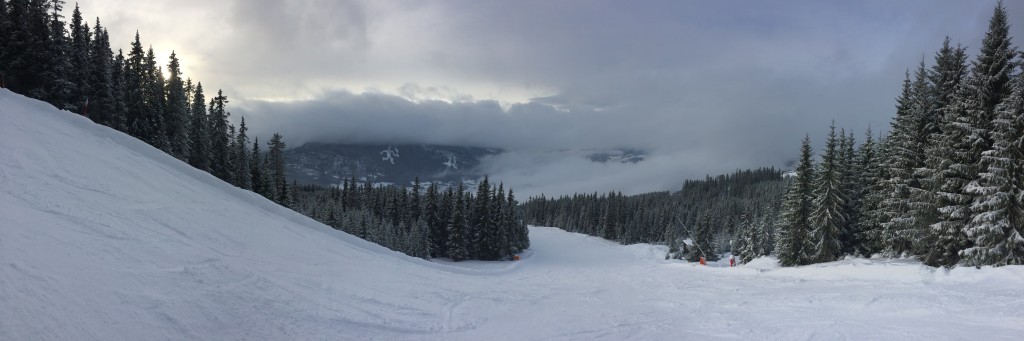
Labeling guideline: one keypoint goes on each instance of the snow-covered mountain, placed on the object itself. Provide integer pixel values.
(103, 237)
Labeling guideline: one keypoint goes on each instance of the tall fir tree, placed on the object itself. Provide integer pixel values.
(901, 161)
(966, 135)
(480, 230)
(99, 100)
(828, 217)
(220, 141)
(243, 170)
(135, 83)
(795, 221)
(997, 226)
(56, 72)
(259, 178)
(200, 152)
(869, 226)
(437, 227)
(80, 63)
(176, 113)
(276, 172)
(457, 229)
(118, 118)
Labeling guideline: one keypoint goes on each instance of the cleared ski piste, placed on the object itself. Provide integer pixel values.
(105, 238)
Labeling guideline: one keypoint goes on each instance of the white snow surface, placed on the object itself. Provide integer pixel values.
(103, 237)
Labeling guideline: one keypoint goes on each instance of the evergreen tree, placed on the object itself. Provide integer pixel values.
(156, 101)
(522, 236)
(499, 230)
(437, 226)
(199, 138)
(966, 134)
(278, 177)
(902, 160)
(795, 225)
(25, 54)
(176, 114)
(415, 206)
(869, 227)
(259, 180)
(118, 118)
(5, 39)
(849, 175)
(220, 151)
(80, 63)
(135, 82)
(828, 217)
(99, 100)
(457, 229)
(997, 227)
(945, 180)
(746, 246)
(703, 245)
(481, 232)
(56, 62)
(243, 170)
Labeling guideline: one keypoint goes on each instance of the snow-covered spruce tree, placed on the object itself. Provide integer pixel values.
(909, 204)
(901, 161)
(457, 229)
(869, 225)
(827, 217)
(702, 238)
(849, 175)
(418, 244)
(966, 134)
(795, 220)
(997, 226)
(946, 236)
(746, 246)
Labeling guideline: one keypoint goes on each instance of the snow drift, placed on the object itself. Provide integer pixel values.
(104, 237)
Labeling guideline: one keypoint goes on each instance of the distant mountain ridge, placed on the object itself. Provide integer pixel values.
(329, 164)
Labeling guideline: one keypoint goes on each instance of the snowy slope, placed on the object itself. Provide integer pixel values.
(105, 238)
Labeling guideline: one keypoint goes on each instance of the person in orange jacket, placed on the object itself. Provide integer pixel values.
(732, 261)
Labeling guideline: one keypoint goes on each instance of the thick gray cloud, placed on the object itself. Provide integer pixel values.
(705, 87)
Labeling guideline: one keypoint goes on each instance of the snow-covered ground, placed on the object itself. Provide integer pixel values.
(105, 238)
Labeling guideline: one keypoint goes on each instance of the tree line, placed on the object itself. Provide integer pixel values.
(451, 222)
(709, 212)
(72, 67)
(945, 186)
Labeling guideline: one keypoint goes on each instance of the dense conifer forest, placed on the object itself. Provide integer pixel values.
(71, 66)
(449, 222)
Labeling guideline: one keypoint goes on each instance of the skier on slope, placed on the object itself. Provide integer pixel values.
(732, 261)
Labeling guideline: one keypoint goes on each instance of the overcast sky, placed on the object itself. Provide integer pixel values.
(704, 87)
